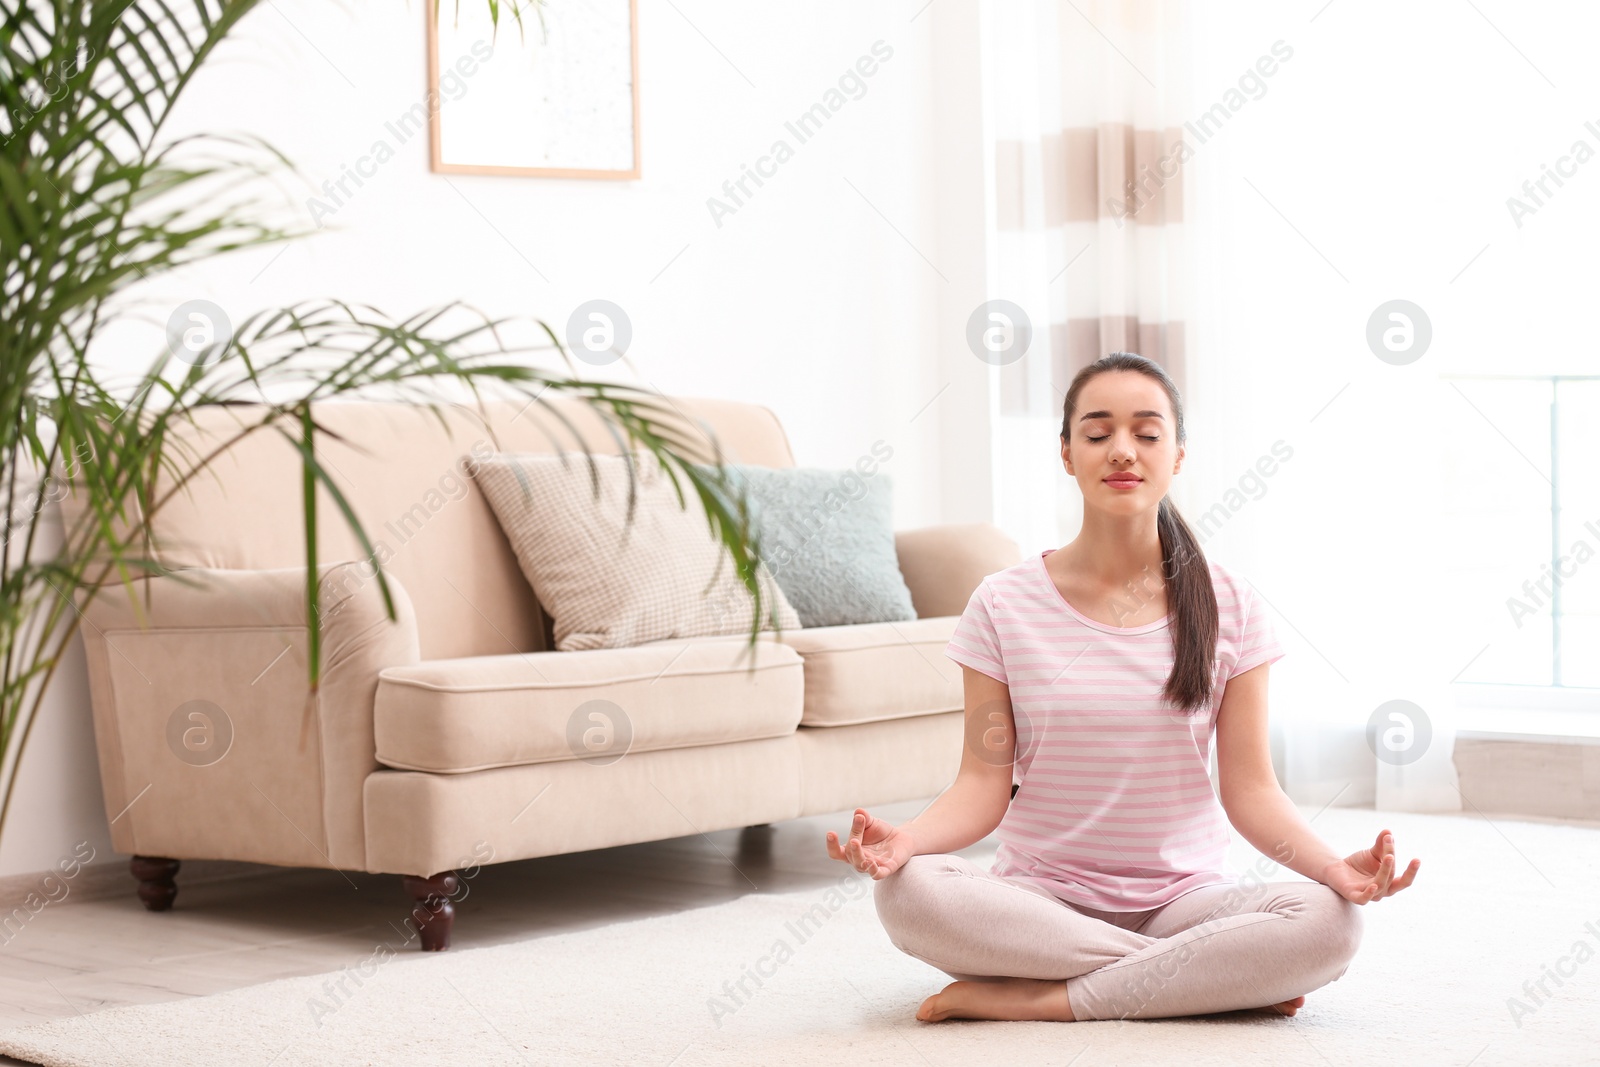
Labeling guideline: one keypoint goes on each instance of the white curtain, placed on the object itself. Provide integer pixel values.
(1088, 219)
(1121, 222)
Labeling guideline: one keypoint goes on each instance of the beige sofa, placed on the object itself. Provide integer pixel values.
(445, 739)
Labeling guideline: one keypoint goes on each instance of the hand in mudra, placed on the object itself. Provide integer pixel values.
(1368, 875)
(875, 846)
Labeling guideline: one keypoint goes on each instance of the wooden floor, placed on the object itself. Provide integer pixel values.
(264, 923)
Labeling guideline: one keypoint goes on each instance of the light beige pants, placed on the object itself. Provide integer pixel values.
(1218, 948)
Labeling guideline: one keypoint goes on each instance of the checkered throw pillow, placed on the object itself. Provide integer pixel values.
(609, 583)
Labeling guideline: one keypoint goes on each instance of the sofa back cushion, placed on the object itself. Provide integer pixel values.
(403, 470)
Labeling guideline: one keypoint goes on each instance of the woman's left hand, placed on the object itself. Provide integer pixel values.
(1368, 875)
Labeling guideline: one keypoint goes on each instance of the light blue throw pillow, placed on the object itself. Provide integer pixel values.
(828, 538)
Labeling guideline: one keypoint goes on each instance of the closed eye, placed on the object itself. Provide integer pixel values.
(1141, 437)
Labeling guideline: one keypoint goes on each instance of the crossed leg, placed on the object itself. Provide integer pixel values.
(1220, 948)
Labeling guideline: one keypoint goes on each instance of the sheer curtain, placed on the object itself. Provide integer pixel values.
(1122, 220)
(1345, 537)
(1088, 223)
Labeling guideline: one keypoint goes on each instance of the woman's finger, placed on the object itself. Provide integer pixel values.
(1385, 875)
(1405, 879)
(848, 853)
(848, 850)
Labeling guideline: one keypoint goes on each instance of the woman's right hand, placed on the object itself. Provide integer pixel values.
(875, 846)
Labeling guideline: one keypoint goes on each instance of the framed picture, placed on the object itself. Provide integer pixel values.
(558, 98)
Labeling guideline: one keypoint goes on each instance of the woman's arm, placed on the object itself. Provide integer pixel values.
(975, 803)
(1264, 815)
(961, 815)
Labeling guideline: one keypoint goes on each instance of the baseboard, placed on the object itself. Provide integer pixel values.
(1516, 776)
(96, 881)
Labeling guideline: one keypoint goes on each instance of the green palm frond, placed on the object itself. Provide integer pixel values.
(96, 201)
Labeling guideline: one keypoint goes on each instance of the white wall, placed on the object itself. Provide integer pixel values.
(840, 307)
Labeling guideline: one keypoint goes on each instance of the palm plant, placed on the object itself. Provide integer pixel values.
(95, 203)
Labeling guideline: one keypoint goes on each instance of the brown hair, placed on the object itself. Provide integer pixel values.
(1191, 600)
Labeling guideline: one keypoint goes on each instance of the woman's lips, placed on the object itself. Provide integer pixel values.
(1124, 483)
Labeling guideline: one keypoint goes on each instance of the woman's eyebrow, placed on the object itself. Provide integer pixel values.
(1107, 415)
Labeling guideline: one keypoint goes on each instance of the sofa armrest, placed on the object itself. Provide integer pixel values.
(212, 743)
(942, 565)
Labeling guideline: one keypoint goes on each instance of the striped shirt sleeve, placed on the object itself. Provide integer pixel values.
(975, 642)
(1260, 641)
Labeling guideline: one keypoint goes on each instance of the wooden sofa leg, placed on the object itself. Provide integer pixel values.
(157, 885)
(433, 912)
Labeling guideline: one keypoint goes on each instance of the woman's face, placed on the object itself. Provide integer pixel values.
(1123, 448)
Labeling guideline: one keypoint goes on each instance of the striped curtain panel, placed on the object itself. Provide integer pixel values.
(1090, 100)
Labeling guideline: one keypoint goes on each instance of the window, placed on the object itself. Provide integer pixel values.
(1522, 495)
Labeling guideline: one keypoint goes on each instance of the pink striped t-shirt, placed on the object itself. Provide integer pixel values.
(1115, 810)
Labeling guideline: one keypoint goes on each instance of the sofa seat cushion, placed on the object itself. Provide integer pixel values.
(869, 672)
(457, 715)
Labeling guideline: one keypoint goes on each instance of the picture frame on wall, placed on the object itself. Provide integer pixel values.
(556, 98)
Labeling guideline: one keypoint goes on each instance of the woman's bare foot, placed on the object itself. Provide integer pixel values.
(1027, 999)
(1288, 1007)
(1006, 998)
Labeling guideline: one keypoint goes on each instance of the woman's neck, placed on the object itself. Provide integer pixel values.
(1112, 550)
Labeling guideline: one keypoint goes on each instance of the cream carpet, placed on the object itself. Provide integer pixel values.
(1498, 904)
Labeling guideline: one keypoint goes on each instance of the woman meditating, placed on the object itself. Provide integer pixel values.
(1096, 676)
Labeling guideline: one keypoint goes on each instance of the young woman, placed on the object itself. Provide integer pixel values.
(1096, 676)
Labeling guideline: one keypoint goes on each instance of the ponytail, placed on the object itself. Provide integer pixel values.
(1192, 609)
